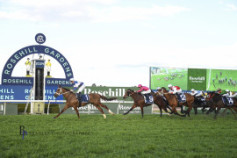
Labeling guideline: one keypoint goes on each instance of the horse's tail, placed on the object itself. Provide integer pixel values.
(108, 99)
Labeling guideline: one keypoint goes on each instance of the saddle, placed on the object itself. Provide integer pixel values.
(148, 98)
(84, 98)
(181, 97)
(228, 101)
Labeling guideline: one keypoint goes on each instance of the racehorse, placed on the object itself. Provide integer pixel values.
(173, 101)
(199, 102)
(72, 101)
(140, 102)
(215, 100)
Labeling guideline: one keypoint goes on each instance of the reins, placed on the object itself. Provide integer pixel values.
(60, 93)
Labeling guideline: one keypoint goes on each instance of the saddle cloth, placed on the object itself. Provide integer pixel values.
(85, 98)
(228, 101)
(181, 97)
(148, 98)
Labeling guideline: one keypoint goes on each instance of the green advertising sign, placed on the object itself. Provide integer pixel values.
(197, 79)
(223, 79)
(162, 77)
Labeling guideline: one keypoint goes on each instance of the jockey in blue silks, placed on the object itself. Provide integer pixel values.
(78, 87)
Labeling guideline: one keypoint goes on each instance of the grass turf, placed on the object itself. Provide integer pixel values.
(118, 136)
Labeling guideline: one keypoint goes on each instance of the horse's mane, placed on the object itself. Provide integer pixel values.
(131, 90)
(67, 89)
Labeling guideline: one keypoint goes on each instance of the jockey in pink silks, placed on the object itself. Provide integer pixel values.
(143, 89)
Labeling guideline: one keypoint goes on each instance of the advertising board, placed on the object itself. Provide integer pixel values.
(199, 79)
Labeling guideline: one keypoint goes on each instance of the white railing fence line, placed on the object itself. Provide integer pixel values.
(119, 102)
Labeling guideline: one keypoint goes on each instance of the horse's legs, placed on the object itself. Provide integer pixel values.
(104, 106)
(65, 108)
(233, 111)
(101, 110)
(134, 105)
(218, 109)
(142, 111)
(182, 109)
(195, 110)
(75, 108)
(161, 111)
(189, 109)
(175, 111)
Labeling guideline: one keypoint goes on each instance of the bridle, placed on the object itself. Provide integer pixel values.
(61, 92)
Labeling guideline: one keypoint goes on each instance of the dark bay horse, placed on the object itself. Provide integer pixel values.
(173, 101)
(72, 101)
(140, 102)
(216, 103)
(200, 102)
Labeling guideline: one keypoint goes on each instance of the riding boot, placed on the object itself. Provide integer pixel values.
(146, 97)
(178, 97)
(79, 99)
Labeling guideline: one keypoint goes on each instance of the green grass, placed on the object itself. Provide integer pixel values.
(118, 136)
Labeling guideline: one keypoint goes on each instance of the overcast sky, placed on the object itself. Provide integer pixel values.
(114, 42)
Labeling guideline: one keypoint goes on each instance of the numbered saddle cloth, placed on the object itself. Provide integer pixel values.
(181, 97)
(228, 101)
(148, 99)
(85, 98)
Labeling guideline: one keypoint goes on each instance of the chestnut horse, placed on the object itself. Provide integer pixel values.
(173, 101)
(216, 103)
(140, 102)
(72, 101)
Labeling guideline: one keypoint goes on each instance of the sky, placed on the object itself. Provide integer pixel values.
(114, 42)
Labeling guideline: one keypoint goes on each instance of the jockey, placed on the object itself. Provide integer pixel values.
(144, 90)
(174, 89)
(78, 87)
(218, 91)
(195, 93)
(229, 94)
(158, 89)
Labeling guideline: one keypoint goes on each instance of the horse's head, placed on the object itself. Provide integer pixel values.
(128, 93)
(210, 95)
(162, 90)
(59, 91)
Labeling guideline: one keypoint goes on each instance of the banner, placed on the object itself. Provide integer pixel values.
(8, 92)
(198, 79)
(162, 77)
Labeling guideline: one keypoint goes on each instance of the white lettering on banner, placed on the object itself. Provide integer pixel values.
(61, 60)
(27, 91)
(118, 92)
(6, 97)
(88, 107)
(196, 78)
(18, 56)
(17, 81)
(6, 90)
(58, 82)
(50, 91)
(122, 107)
